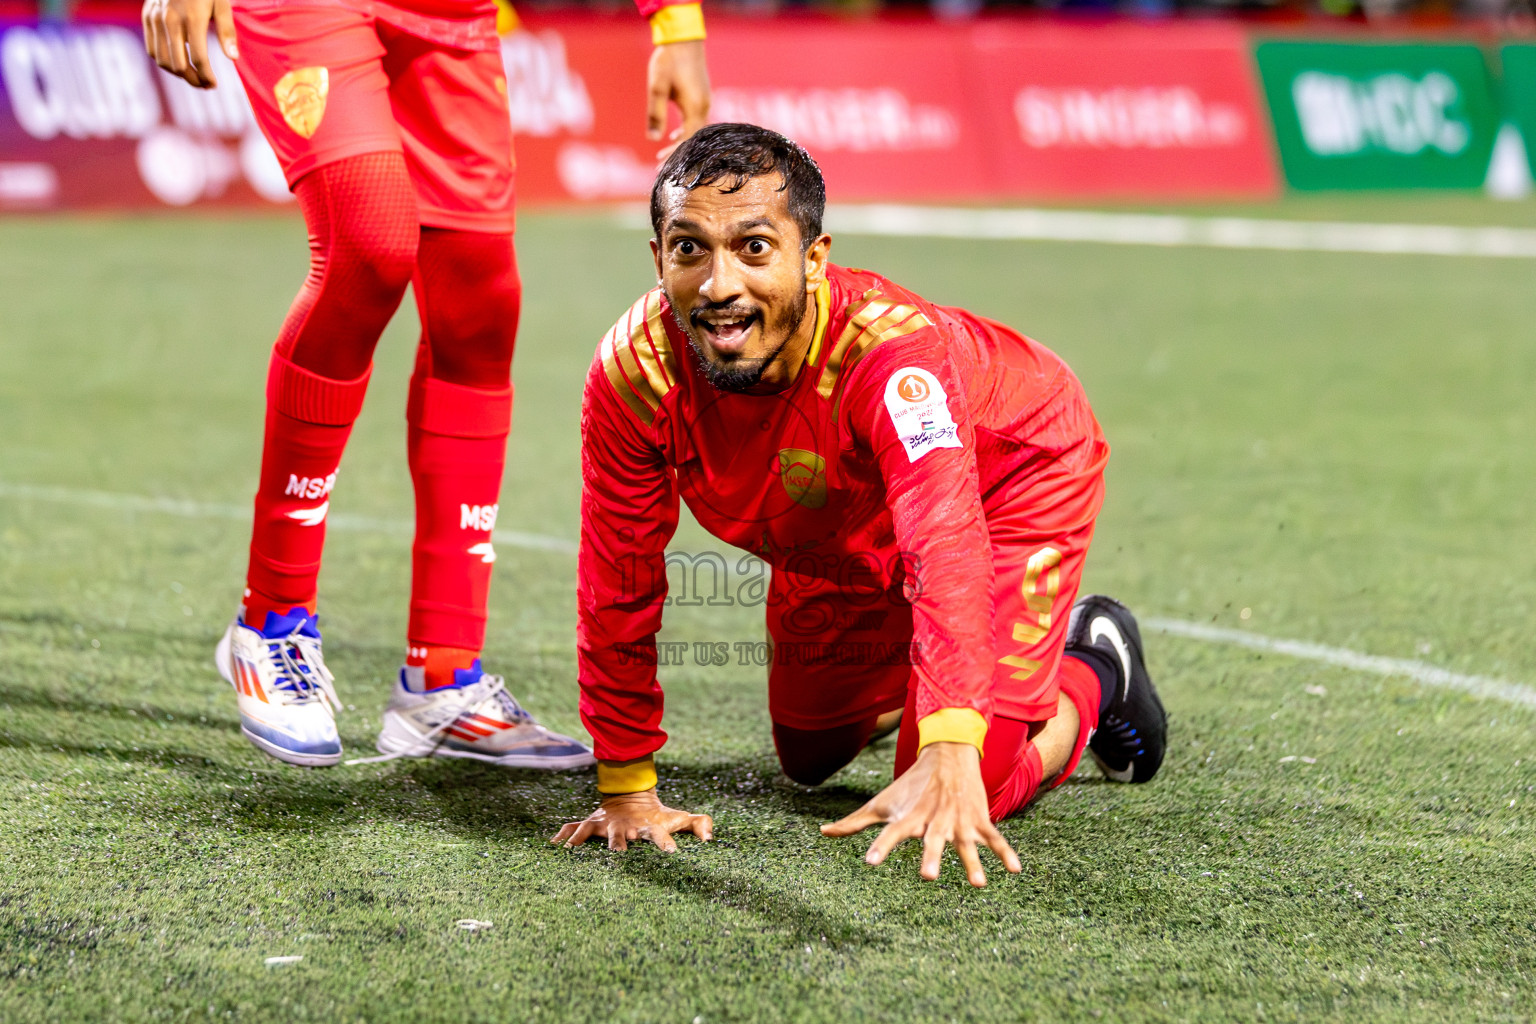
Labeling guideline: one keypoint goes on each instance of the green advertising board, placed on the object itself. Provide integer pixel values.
(1391, 115)
(1520, 93)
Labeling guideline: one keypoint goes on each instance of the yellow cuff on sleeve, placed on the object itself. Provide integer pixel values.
(630, 778)
(506, 18)
(677, 23)
(952, 725)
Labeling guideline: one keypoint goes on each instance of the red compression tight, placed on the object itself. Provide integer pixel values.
(366, 246)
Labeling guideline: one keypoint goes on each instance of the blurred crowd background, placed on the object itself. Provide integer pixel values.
(1501, 16)
(899, 100)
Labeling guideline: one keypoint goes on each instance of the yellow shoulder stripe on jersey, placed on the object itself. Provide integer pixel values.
(638, 359)
(643, 407)
(879, 320)
(823, 307)
(653, 349)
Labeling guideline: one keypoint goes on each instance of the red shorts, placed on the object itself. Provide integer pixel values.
(329, 81)
(839, 650)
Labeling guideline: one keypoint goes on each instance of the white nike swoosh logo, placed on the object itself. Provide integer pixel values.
(1123, 775)
(310, 516)
(484, 549)
(1105, 627)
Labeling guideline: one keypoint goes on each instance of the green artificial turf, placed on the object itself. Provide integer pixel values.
(1340, 444)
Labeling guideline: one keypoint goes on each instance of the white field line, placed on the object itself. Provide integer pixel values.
(1341, 657)
(1174, 230)
(210, 510)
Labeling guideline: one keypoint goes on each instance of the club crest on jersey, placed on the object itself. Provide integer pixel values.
(919, 410)
(804, 475)
(300, 96)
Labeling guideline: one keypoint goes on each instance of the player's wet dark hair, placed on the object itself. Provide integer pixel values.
(729, 155)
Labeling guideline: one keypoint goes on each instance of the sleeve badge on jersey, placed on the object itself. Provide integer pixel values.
(919, 411)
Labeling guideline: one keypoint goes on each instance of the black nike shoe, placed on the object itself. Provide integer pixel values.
(1133, 728)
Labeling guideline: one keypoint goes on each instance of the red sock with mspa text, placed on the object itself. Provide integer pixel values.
(458, 416)
(309, 419)
(456, 438)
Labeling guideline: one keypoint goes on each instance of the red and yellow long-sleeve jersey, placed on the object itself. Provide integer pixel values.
(905, 421)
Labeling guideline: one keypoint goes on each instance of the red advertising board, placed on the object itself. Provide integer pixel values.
(920, 110)
(1121, 110)
(886, 109)
(891, 110)
(577, 95)
(87, 120)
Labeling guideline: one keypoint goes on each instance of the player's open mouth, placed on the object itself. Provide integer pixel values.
(725, 331)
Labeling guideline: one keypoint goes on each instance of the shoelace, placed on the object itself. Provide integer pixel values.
(1123, 732)
(509, 705)
(304, 677)
(496, 686)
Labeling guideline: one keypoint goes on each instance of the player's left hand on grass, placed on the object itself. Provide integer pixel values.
(941, 799)
(677, 74)
(176, 36)
(626, 817)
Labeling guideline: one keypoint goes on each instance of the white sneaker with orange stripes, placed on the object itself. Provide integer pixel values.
(474, 718)
(283, 690)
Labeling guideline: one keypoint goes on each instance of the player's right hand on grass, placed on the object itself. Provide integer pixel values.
(176, 36)
(626, 817)
(940, 800)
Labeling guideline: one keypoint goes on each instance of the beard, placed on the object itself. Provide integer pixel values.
(737, 373)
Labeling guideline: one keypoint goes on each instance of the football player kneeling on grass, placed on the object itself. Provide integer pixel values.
(922, 481)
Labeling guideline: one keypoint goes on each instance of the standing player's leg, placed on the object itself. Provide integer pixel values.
(458, 419)
(459, 411)
(319, 94)
(361, 216)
